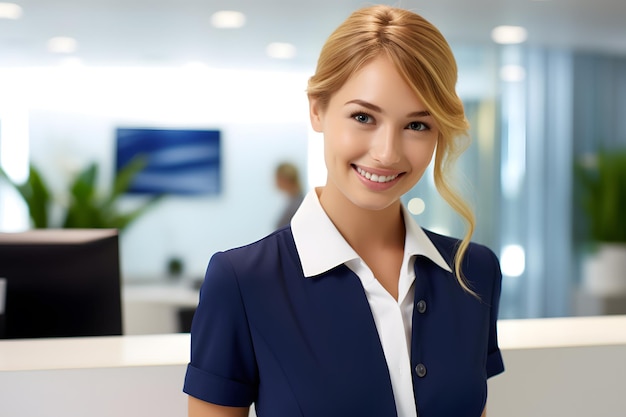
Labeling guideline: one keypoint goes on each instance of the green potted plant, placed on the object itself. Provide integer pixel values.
(601, 181)
(85, 208)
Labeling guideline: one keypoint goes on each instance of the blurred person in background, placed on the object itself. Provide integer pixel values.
(288, 181)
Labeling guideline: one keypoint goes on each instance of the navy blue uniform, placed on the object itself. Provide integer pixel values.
(296, 346)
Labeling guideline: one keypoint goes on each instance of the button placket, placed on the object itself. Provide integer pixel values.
(420, 307)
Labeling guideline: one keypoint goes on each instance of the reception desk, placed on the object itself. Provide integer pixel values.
(554, 367)
(96, 377)
(561, 367)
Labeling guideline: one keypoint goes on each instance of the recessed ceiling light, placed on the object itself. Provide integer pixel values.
(10, 11)
(62, 45)
(509, 35)
(228, 19)
(281, 50)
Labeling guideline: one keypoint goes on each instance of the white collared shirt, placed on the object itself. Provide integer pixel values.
(393, 319)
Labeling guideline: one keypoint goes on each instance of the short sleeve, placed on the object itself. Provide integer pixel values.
(222, 369)
(495, 364)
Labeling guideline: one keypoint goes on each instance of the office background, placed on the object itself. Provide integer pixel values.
(534, 108)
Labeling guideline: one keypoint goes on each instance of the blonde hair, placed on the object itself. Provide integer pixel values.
(424, 59)
(290, 173)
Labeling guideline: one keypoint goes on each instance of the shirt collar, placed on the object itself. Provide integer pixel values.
(321, 247)
(417, 243)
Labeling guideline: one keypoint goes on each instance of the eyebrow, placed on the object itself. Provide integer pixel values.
(377, 109)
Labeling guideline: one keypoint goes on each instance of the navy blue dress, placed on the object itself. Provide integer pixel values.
(296, 346)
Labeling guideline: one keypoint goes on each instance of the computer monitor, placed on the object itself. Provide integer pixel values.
(61, 283)
(179, 161)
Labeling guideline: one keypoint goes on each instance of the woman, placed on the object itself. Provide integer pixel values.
(287, 179)
(353, 309)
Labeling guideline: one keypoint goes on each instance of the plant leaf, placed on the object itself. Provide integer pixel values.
(36, 195)
(124, 178)
(602, 195)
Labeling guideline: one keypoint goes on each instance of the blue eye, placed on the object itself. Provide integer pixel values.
(362, 118)
(419, 126)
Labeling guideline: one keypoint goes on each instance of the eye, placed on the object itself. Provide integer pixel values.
(362, 118)
(418, 126)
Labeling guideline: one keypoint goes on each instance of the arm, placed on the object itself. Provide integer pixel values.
(484, 414)
(223, 366)
(199, 408)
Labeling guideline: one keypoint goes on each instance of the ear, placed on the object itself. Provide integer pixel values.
(316, 114)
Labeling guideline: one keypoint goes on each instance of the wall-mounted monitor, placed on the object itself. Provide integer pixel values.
(60, 283)
(179, 161)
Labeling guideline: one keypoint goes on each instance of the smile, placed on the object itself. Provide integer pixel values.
(375, 177)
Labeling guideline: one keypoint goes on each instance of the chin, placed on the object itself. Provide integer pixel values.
(374, 203)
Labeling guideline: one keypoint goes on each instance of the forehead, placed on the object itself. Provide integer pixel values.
(379, 82)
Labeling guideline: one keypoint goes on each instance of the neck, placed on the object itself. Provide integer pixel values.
(362, 227)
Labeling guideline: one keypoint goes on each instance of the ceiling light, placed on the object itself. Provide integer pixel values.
(62, 45)
(228, 19)
(509, 35)
(10, 11)
(280, 50)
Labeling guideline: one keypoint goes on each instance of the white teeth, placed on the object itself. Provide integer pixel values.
(374, 177)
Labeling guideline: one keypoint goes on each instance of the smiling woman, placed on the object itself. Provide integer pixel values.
(288, 322)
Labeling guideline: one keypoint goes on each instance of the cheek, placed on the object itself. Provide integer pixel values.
(332, 150)
(421, 152)
(344, 140)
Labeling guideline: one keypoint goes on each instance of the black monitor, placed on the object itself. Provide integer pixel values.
(60, 283)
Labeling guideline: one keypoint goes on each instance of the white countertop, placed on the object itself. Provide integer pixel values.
(562, 332)
(94, 352)
(173, 349)
(176, 294)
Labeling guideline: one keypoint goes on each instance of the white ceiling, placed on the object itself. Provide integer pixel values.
(174, 32)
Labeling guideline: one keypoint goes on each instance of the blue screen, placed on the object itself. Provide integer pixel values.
(179, 161)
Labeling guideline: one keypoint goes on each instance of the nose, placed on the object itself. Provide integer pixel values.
(386, 147)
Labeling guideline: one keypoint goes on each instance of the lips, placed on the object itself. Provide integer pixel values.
(375, 177)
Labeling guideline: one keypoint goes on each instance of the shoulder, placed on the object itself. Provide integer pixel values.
(239, 272)
(477, 254)
(480, 267)
(281, 239)
(256, 258)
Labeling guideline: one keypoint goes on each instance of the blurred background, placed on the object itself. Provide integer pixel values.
(543, 82)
